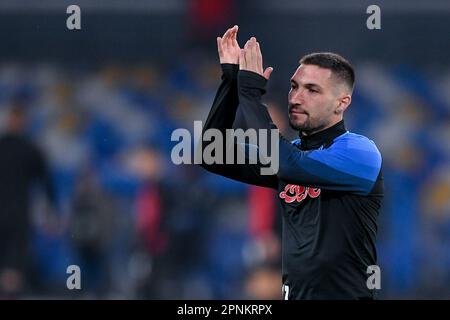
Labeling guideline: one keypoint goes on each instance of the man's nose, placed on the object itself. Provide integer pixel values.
(296, 97)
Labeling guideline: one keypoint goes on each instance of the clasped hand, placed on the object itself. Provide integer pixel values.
(249, 58)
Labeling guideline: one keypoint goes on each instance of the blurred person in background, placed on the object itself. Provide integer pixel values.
(22, 166)
(92, 227)
(169, 219)
(147, 268)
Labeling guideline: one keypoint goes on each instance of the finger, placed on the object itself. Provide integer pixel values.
(227, 33)
(267, 72)
(246, 45)
(219, 46)
(259, 61)
(234, 36)
(230, 37)
(248, 48)
(252, 56)
(225, 38)
(245, 53)
(235, 31)
(248, 57)
(242, 62)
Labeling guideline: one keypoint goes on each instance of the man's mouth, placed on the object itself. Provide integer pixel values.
(296, 111)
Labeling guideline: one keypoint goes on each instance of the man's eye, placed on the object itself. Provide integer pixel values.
(312, 90)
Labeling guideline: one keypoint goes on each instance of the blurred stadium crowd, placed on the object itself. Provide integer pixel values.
(140, 227)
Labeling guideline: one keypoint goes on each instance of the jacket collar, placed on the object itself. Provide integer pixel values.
(324, 137)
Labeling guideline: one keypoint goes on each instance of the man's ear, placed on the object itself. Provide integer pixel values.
(343, 104)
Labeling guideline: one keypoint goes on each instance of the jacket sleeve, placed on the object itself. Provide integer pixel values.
(221, 117)
(352, 163)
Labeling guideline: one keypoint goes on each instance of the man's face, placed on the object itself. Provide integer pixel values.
(313, 99)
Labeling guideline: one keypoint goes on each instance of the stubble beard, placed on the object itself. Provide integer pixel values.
(307, 127)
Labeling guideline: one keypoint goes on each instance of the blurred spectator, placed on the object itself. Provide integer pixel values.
(91, 228)
(263, 283)
(22, 166)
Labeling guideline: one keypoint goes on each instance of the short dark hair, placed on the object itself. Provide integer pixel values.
(338, 65)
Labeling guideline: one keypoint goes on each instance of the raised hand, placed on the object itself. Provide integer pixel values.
(250, 59)
(228, 46)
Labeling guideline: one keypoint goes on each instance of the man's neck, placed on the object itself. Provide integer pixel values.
(306, 134)
(322, 137)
